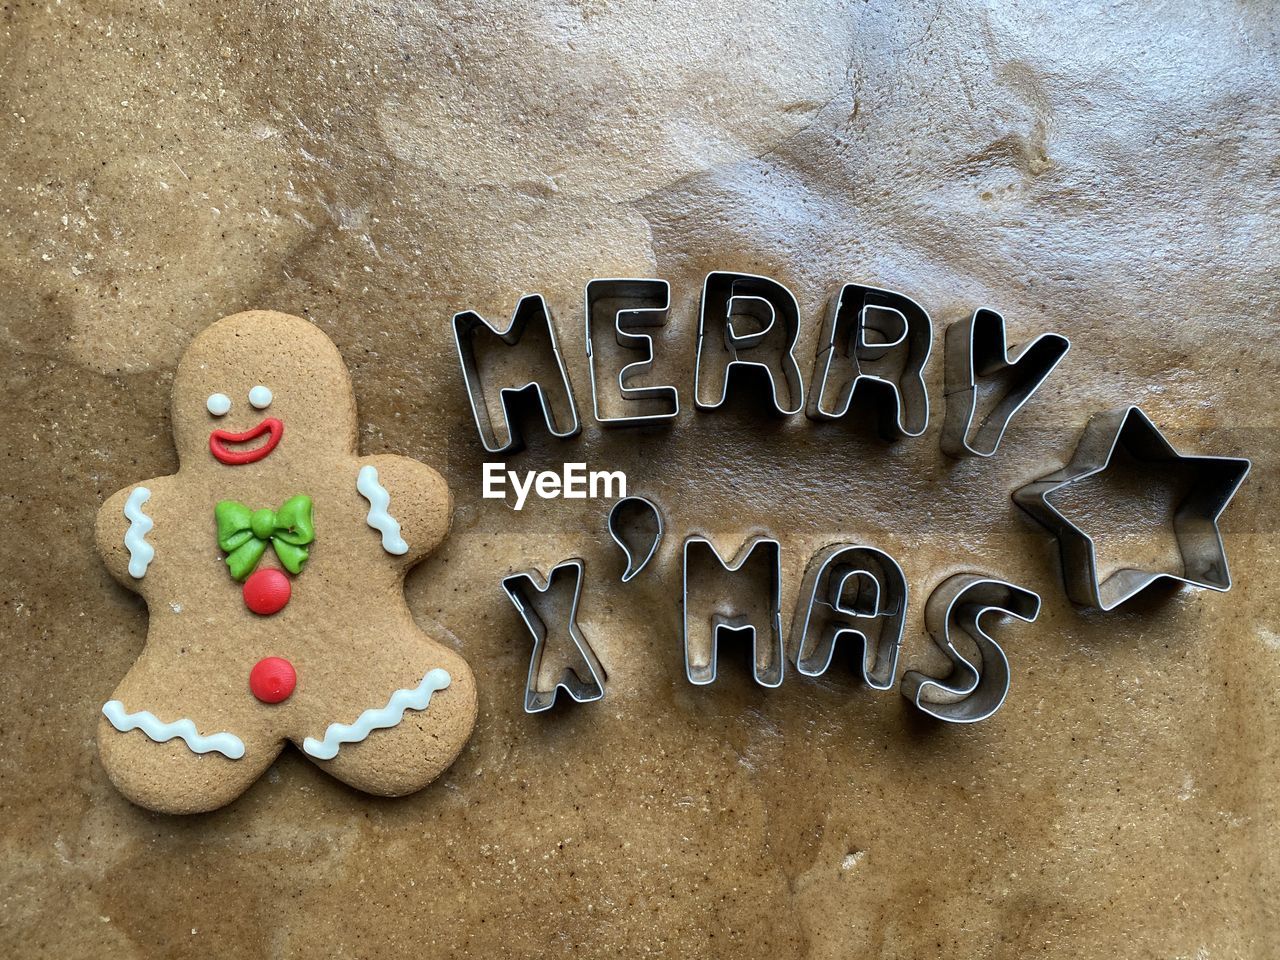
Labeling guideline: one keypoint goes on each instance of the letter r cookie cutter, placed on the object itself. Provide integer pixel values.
(748, 296)
(533, 313)
(528, 591)
(886, 345)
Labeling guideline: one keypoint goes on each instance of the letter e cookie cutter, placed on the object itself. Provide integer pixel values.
(650, 304)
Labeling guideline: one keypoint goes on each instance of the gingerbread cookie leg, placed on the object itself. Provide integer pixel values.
(395, 728)
(171, 747)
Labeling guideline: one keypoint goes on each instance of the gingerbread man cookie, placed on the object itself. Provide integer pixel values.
(273, 566)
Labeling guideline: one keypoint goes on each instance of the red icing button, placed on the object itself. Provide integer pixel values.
(267, 591)
(272, 679)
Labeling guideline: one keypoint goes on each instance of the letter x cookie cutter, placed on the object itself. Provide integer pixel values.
(528, 591)
(1195, 520)
(531, 311)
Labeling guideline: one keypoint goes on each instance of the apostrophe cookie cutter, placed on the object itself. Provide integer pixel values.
(650, 305)
(851, 594)
(531, 312)
(711, 618)
(974, 690)
(886, 338)
(530, 592)
(775, 317)
(977, 353)
(625, 517)
(1195, 521)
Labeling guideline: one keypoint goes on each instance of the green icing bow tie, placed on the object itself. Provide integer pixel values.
(244, 534)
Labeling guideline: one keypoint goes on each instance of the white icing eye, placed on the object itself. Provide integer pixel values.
(260, 397)
(218, 404)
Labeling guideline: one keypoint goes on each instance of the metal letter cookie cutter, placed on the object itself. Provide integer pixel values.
(974, 690)
(627, 514)
(1195, 521)
(530, 594)
(856, 593)
(650, 302)
(977, 352)
(882, 339)
(774, 316)
(701, 645)
(531, 309)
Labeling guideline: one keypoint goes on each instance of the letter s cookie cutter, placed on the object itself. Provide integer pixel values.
(973, 691)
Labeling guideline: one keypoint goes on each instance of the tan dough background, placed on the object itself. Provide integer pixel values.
(1113, 174)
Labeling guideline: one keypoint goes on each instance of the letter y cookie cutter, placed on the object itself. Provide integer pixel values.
(977, 353)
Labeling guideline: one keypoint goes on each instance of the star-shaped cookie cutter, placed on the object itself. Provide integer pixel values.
(1195, 521)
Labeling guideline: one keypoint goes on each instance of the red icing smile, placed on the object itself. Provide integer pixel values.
(219, 439)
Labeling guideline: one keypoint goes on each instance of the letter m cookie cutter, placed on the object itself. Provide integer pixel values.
(532, 317)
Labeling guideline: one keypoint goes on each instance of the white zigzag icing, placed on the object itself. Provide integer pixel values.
(382, 521)
(228, 744)
(416, 698)
(135, 538)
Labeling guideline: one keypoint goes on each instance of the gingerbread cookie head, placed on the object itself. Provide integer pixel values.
(273, 565)
(258, 387)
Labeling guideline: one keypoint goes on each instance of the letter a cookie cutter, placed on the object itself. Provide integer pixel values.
(702, 655)
(974, 690)
(726, 295)
(1195, 520)
(886, 344)
(531, 313)
(851, 593)
(977, 352)
(650, 305)
(528, 591)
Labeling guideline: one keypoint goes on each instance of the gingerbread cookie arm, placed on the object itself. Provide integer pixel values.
(123, 532)
(408, 505)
